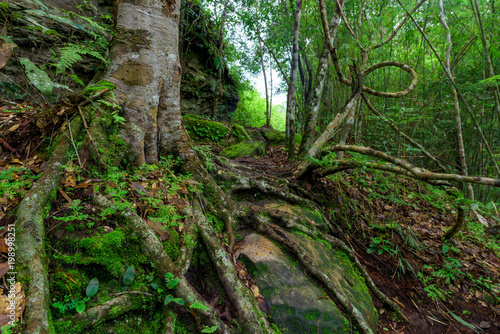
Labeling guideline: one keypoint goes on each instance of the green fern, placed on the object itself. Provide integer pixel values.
(72, 53)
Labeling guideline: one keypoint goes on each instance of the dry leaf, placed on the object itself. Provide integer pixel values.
(5, 51)
(4, 268)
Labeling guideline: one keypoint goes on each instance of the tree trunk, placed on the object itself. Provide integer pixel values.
(219, 88)
(268, 111)
(145, 67)
(312, 116)
(291, 103)
(460, 141)
(487, 58)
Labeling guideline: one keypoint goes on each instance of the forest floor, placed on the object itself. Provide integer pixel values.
(394, 225)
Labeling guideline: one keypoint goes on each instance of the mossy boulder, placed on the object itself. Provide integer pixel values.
(275, 137)
(295, 300)
(204, 130)
(240, 133)
(247, 148)
(296, 303)
(312, 217)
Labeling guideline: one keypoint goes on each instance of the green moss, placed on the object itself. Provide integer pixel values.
(205, 130)
(275, 137)
(240, 133)
(107, 250)
(256, 148)
(171, 245)
(312, 315)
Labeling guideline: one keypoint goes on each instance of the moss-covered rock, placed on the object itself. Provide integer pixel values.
(253, 149)
(295, 300)
(205, 130)
(240, 133)
(294, 297)
(313, 217)
(275, 137)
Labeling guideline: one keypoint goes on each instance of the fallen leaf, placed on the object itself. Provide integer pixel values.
(5, 48)
(4, 268)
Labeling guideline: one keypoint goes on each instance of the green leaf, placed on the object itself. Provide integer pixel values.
(4, 5)
(172, 284)
(92, 287)
(168, 299)
(371, 250)
(198, 305)
(462, 321)
(129, 275)
(40, 79)
(445, 249)
(155, 286)
(169, 275)
(80, 308)
(77, 79)
(179, 301)
(209, 329)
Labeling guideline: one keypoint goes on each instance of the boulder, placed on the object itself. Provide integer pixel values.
(243, 149)
(298, 305)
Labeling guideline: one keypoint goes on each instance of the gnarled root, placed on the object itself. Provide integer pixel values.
(163, 264)
(30, 231)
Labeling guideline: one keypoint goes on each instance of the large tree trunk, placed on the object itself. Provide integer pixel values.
(145, 67)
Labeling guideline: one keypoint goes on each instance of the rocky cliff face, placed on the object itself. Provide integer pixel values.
(42, 28)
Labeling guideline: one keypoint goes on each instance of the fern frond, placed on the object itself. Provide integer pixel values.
(72, 53)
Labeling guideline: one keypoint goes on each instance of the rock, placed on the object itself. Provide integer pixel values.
(253, 149)
(313, 217)
(275, 137)
(484, 324)
(297, 304)
(338, 267)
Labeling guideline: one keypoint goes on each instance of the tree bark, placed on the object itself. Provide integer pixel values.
(312, 116)
(268, 111)
(291, 103)
(145, 67)
(456, 105)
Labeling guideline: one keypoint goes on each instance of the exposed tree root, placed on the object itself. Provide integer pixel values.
(30, 231)
(240, 296)
(264, 225)
(108, 310)
(187, 249)
(155, 252)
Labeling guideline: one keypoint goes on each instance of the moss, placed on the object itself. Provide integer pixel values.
(171, 245)
(240, 133)
(205, 130)
(256, 148)
(275, 137)
(106, 250)
(312, 315)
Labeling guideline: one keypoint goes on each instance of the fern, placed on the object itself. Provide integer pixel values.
(72, 53)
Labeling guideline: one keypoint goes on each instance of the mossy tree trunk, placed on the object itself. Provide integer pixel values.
(145, 67)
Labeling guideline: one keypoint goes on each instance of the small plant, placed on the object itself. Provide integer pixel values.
(75, 214)
(380, 245)
(8, 329)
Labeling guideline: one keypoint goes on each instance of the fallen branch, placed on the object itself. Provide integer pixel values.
(418, 173)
